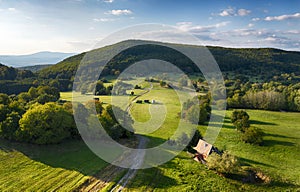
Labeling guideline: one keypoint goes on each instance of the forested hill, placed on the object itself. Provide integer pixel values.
(256, 60)
(266, 62)
(35, 68)
(10, 73)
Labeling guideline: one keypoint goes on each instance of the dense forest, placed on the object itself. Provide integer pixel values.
(10, 73)
(263, 63)
(255, 78)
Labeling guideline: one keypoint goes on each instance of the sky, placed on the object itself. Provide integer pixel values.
(28, 26)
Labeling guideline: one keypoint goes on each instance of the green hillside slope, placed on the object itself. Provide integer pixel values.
(251, 61)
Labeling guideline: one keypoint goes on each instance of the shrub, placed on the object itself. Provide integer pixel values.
(94, 104)
(195, 139)
(197, 114)
(253, 135)
(240, 120)
(225, 163)
(4, 99)
(9, 126)
(51, 91)
(162, 83)
(45, 98)
(112, 119)
(239, 114)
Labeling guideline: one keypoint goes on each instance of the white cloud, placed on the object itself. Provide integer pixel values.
(293, 32)
(250, 25)
(189, 27)
(233, 12)
(103, 19)
(11, 9)
(270, 39)
(120, 12)
(255, 19)
(283, 17)
(243, 12)
(108, 1)
(250, 37)
(227, 12)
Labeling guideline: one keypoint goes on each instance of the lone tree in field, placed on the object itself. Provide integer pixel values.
(253, 135)
(240, 120)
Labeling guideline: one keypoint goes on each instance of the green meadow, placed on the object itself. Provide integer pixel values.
(61, 167)
(67, 166)
(278, 158)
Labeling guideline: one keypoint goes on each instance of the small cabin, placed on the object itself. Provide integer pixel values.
(204, 149)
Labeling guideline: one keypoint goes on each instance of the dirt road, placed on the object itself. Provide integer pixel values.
(105, 176)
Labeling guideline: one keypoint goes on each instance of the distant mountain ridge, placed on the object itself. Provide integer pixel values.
(39, 58)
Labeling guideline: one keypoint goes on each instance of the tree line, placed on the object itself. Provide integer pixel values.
(37, 116)
(273, 96)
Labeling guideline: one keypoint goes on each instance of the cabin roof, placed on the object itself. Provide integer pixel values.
(203, 147)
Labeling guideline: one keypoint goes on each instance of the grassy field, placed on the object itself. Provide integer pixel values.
(106, 99)
(279, 158)
(67, 166)
(61, 167)
(165, 113)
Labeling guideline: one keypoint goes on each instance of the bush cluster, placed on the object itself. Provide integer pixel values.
(250, 134)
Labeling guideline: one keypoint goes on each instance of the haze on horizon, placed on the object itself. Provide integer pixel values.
(29, 26)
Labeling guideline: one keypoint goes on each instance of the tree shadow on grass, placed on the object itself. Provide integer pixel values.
(285, 185)
(270, 142)
(70, 155)
(245, 178)
(248, 162)
(151, 178)
(225, 125)
(228, 126)
(279, 136)
(256, 122)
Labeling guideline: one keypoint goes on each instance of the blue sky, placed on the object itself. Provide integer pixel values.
(28, 26)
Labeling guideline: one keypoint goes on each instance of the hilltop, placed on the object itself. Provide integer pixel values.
(262, 62)
(10, 73)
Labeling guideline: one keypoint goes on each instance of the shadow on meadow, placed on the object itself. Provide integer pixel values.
(70, 155)
(150, 179)
(248, 162)
(271, 142)
(279, 136)
(256, 122)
